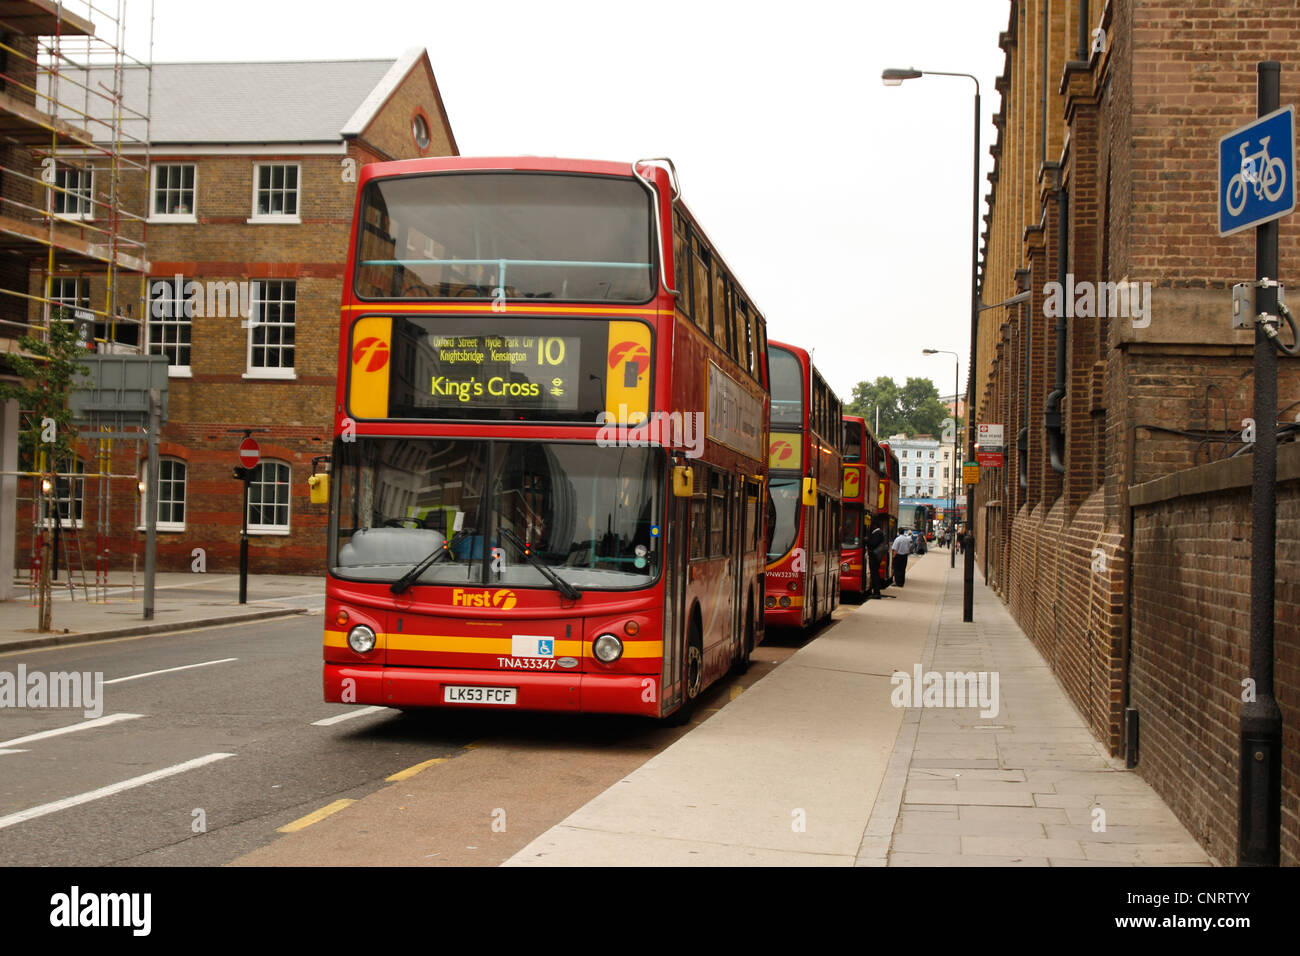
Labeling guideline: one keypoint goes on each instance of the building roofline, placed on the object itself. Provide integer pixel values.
(382, 90)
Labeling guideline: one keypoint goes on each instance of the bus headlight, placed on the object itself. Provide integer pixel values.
(769, 601)
(607, 648)
(844, 568)
(785, 601)
(361, 639)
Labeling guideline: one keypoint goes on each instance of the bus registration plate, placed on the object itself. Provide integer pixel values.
(452, 694)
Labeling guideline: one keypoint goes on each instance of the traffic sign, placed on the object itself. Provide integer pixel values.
(1257, 172)
(989, 459)
(970, 473)
(249, 452)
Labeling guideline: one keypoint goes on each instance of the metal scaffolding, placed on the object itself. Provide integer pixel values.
(74, 178)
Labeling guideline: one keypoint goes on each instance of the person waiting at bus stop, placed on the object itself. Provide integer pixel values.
(901, 547)
(877, 555)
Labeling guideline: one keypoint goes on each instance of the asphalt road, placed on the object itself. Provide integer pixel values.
(209, 743)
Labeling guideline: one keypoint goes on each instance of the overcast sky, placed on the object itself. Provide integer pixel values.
(843, 206)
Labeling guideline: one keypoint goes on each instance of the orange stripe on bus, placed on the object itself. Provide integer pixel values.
(496, 646)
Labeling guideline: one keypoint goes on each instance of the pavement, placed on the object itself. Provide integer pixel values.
(181, 601)
(814, 765)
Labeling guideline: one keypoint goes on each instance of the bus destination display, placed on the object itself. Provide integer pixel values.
(494, 371)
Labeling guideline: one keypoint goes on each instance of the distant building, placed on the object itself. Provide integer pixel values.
(925, 468)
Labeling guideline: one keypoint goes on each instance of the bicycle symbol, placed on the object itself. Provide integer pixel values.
(1267, 184)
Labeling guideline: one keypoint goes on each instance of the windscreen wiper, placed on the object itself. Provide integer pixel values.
(405, 581)
(563, 586)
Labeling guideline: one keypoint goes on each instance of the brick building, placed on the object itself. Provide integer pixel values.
(1118, 531)
(250, 190)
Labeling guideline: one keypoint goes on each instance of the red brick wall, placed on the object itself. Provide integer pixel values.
(1190, 652)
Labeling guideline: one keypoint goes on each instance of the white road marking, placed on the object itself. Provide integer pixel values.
(339, 718)
(22, 816)
(3, 752)
(71, 728)
(168, 670)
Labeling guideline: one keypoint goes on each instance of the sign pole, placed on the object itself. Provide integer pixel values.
(243, 550)
(1260, 800)
(249, 457)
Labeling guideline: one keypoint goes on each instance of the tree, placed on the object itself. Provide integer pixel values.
(882, 394)
(49, 369)
(913, 409)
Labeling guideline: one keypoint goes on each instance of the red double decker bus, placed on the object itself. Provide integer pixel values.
(548, 460)
(887, 498)
(804, 475)
(861, 502)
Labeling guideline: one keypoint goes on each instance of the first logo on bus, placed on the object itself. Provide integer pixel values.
(376, 348)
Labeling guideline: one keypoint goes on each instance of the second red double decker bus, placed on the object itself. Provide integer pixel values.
(804, 462)
(549, 446)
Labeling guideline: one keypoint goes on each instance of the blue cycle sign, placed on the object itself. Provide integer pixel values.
(1257, 172)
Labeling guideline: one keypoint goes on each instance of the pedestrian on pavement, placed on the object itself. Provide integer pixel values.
(901, 547)
(877, 556)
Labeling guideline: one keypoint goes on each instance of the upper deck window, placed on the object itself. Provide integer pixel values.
(852, 441)
(787, 387)
(504, 236)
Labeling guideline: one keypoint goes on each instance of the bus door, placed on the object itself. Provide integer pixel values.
(676, 557)
(739, 532)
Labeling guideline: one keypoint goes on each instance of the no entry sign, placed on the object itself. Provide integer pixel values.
(249, 452)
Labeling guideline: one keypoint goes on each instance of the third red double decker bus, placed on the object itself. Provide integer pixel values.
(862, 459)
(549, 446)
(804, 472)
(887, 498)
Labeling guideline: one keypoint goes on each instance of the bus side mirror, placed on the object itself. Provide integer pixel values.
(320, 489)
(683, 481)
(810, 492)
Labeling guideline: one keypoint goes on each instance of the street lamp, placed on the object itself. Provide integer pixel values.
(895, 77)
(956, 452)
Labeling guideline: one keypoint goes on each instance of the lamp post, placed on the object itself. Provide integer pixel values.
(895, 77)
(956, 451)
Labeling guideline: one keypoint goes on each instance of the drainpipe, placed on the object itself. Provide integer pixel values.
(1052, 416)
(1081, 50)
(1027, 325)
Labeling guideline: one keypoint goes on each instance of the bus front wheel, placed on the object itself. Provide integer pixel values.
(692, 679)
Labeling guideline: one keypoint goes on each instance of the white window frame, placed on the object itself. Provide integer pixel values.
(177, 370)
(144, 497)
(82, 195)
(293, 218)
(257, 320)
(192, 214)
(271, 529)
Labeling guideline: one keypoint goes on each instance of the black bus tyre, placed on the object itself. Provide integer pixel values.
(692, 679)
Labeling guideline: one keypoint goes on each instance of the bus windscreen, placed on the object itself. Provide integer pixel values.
(504, 236)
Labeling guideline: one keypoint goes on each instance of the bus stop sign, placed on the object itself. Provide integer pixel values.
(1257, 172)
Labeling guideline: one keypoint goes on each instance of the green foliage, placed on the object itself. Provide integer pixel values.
(49, 370)
(913, 409)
